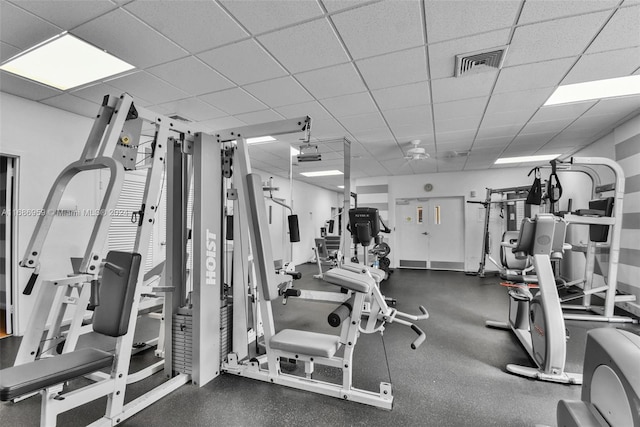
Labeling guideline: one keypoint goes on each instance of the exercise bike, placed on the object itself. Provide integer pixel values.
(537, 320)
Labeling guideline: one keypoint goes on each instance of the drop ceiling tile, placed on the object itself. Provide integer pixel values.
(409, 116)
(453, 19)
(305, 47)
(338, 5)
(313, 109)
(18, 86)
(74, 104)
(192, 109)
(21, 29)
(324, 128)
(442, 56)
(362, 122)
(368, 137)
(520, 150)
(260, 16)
(279, 92)
(621, 31)
(150, 47)
(529, 100)
(384, 150)
(604, 65)
(484, 154)
(498, 141)
(546, 126)
(222, 123)
(533, 76)
(541, 10)
(67, 14)
(458, 124)
(403, 96)
(234, 101)
(534, 140)
(457, 109)
(411, 131)
(349, 105)
(507, 118)
(461, 138)
(557, 112)
(621, 106)
(147, 87)
(243, 62)
(380, 28)
(456, 88)
(497, 132)
(7, 51)
(258, 117)
(95, 93)
(332, 81)
(191, 75)
(202, 25)
(385, 71)
(553, 39)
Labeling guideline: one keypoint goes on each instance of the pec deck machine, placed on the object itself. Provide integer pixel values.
(213, 311)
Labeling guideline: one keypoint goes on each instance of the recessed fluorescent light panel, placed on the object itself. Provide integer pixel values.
(65, 62)
(341, 186)
(598, 89)
(524, 159)
(321, 173)
(260, 139)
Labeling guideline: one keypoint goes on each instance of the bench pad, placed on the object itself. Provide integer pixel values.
(377, 274)
(349, 280)
(306, 343)
(34, 376)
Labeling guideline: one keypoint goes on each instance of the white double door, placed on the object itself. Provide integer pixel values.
(430, 233)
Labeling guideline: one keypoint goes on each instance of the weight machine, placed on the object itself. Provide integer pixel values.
(507, 196)
(604, 218)
(365, 312)
(114, 286)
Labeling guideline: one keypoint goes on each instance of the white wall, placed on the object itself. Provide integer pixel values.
(46, 140)
(448, 184)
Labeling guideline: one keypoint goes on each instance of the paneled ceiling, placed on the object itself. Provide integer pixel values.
(380, 73)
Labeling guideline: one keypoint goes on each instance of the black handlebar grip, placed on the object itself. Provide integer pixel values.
(94, 299)
(295, 274)
(421, 337)
(292, 293)
(30, 284)
(343, 311)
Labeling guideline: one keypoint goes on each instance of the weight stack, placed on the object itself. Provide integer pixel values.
(226, 330)
(182, 343)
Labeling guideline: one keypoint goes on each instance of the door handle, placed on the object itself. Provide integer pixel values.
(425, 233)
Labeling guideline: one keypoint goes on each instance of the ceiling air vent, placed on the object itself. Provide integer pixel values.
(478, 62)
(178, 117)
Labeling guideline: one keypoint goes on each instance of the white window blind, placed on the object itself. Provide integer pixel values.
(122, 232)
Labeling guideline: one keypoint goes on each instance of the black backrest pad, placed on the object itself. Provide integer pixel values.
(600, 233)
(111, 317)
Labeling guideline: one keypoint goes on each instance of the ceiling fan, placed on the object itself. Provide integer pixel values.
(416, 152)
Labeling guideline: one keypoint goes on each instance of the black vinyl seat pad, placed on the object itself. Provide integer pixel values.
(23, 379)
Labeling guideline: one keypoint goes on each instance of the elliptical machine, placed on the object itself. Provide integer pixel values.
(364, 224)
(537, 320)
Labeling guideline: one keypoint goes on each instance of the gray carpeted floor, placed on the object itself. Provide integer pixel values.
(456, 378)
